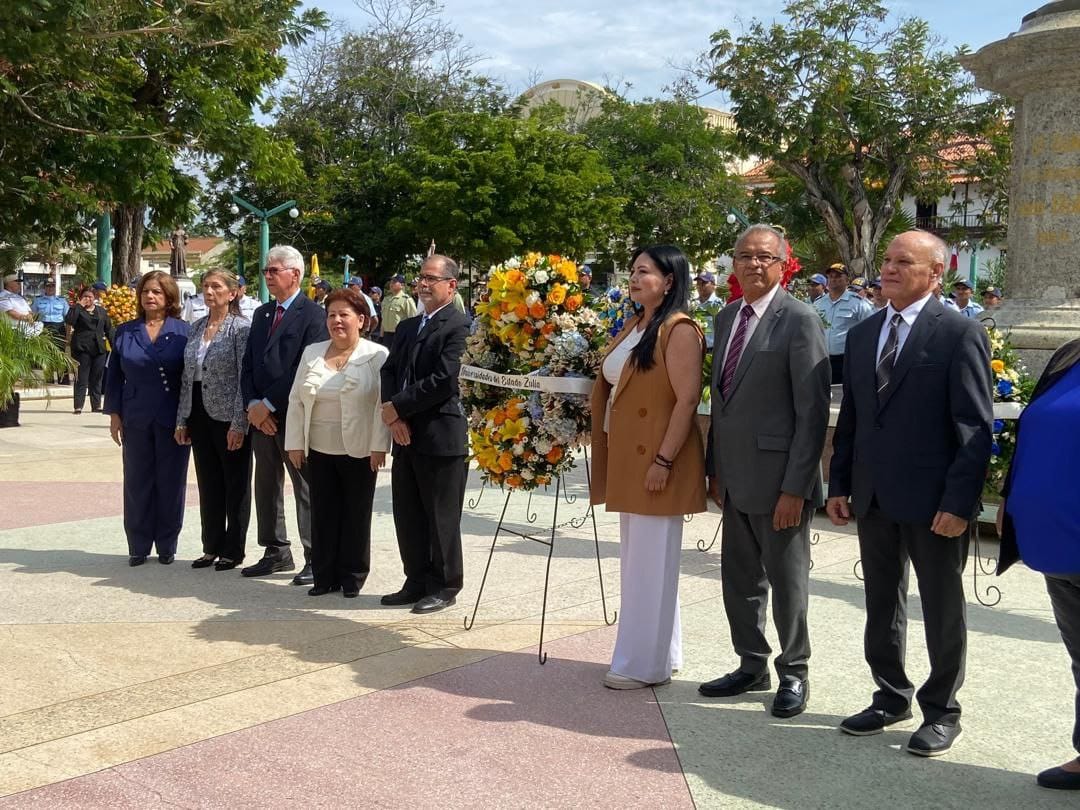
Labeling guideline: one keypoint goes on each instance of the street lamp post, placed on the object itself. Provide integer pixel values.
(348, 260)
(264, 234)
(104, 248)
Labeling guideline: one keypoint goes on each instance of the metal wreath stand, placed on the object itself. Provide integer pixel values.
(531, 518)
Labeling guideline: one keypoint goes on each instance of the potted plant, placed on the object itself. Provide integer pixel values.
(24, 360)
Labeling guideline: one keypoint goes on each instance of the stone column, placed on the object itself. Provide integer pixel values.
(1038, 70)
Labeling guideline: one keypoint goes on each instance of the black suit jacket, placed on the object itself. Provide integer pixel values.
(89, 329)
(421, 378)
(270, 361)
(925, 446)
(1064, 359)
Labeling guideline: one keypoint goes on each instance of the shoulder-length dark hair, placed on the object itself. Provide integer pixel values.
(168, 286)
(672, 262)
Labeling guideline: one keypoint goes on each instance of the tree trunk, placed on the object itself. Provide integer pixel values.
(128, 221)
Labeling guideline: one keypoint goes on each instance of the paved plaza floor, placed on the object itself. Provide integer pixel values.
(166, 686)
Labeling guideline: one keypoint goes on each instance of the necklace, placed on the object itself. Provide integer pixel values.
(339, 361)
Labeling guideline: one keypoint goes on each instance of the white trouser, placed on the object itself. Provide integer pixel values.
(649, 643)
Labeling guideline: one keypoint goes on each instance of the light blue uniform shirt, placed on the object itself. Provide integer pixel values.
(841, 314)
(972, 310)
(50, 308)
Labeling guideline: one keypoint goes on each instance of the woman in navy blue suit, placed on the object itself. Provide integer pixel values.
(142, 392)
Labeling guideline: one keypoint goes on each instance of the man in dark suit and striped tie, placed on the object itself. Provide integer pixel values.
(910, 451)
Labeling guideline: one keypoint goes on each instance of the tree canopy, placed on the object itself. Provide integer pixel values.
(857, 107)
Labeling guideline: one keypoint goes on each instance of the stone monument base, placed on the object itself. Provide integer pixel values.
(1036, 329)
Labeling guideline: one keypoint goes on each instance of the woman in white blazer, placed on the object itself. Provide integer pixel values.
(334, 425)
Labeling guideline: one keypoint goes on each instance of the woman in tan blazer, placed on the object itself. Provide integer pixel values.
(334, 425)
(648, 460)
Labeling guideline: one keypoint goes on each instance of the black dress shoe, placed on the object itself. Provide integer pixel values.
(350, 593)
(322, 590)
(203, 562)
(226, 565)
(933, 739)
(305, 577)
(166, 559)
(433, 603)
(735, 683)
(791, 697)
(1059, 779)
(872, 721)
(268, 565)
(402, 597)
(135, 559)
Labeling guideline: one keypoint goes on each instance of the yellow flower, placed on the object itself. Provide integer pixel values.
(998, 366)
(568, 270)
(557, 294)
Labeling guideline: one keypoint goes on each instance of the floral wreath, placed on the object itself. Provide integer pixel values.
(532, 320)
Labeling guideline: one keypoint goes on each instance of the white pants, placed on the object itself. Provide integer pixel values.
(649, 643)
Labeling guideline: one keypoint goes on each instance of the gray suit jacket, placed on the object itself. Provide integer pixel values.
(220, 372)
(767, 437)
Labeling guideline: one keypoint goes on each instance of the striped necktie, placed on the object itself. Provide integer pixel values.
(888, 354)
(735, 352)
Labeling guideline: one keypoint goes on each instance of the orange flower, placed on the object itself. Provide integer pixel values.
(573, 303)
(529, 455)
(557, 294)
(543, 479)
(541, 342)
(499, 418)
(547, 328)
(538, 310)
(514, 481)
(506, 461)
(554, 455)
(521, 310)
(515, 277)
(528, 328)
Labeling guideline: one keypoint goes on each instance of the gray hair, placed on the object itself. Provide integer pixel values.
(449, 266)
(761, 227)
(288, 256)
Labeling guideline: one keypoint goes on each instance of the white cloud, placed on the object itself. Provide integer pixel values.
(637, 40)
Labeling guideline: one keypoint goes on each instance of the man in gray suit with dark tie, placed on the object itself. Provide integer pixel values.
(910, 451)
(770, 397)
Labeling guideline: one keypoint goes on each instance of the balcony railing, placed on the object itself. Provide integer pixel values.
(949, 221)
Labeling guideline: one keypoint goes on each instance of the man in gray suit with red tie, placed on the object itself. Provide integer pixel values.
(770, 411)
(910, 451)
(280, 331)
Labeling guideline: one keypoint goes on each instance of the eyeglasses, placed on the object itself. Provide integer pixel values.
(272, 270)
(428, 279)
(764, 259)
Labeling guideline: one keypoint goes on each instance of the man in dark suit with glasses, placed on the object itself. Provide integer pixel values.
(422, 409)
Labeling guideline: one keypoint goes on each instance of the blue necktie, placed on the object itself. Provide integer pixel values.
(423, 323)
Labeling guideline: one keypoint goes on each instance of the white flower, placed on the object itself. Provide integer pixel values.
(513, 264)
(543, 446)
(518, 449)
(541, 277)
(527, 474)
(532, 298)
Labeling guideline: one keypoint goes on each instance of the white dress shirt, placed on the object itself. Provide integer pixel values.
(907, 320)
(759, 308)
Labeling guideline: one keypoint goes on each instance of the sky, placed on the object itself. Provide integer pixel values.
(616, 42)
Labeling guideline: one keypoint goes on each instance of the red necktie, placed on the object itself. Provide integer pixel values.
(277, 318)
(735, 352)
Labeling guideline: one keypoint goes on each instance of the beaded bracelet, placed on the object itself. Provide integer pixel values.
(666, 463)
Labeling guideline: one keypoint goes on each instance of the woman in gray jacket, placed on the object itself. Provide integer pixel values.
(212, 419)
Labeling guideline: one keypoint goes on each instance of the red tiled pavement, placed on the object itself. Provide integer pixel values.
(504, 732)
(39, 503)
